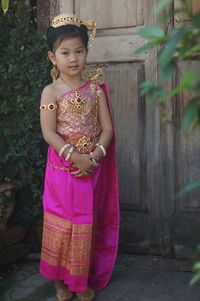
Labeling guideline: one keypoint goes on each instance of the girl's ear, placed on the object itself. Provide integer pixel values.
(51, 56)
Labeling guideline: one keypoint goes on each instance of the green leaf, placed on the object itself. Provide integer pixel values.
(167, 71)
(185, 83)
(198, 248)
(189, 52)
(162, 5)
(152, 32)
(167, 54)
(146, 87)
(5, 5)
(145, 47)
(196, 266)
(189, 115)
(189, 187)
(194, 279)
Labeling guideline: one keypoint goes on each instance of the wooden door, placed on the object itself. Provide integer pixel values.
(146, 147)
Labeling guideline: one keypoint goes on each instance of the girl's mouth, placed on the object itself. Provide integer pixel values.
(73, 67)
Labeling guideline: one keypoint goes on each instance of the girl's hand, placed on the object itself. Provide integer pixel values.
(84, 163)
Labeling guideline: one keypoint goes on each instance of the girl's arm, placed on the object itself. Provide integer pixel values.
(106, 126)
(48, 126)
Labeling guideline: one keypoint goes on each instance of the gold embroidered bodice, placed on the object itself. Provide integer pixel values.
(77, 113)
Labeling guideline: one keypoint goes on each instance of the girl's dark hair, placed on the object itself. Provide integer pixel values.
(56, 35)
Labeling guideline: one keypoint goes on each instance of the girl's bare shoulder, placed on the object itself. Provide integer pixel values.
(49, 93)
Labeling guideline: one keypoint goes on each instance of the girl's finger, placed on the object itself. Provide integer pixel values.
(95, 164)
(76, 172)
(83, 174)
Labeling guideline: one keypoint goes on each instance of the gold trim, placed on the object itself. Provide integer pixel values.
(66, 244)
(60, 168)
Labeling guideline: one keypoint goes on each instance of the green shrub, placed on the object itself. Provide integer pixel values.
(24, 71)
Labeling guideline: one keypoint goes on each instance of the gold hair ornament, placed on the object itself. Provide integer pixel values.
(66, 19)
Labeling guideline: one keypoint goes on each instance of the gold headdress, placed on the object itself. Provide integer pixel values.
(66, 19)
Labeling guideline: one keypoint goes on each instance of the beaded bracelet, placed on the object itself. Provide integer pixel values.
(65, 146)
(69, 154)
(102, 148)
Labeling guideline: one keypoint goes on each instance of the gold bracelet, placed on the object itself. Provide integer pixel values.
(50, 107)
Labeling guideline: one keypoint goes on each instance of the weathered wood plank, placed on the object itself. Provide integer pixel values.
(67, 6)
(108, 14)
(140, 12)
(116, 49)
(187, 155)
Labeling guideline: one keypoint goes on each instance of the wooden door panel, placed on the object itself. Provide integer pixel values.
(112, 13)
(129, 110)
(119, 48)
(123, 81)
(187, 150)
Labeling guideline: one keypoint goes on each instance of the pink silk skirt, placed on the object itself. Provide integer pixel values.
(81, 223)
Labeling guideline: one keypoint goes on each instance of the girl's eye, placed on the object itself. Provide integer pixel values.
(65, 52)
(79, 51)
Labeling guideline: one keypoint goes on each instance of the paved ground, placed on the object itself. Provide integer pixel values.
(135, 278)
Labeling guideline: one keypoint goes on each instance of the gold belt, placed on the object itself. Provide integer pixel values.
(83, 144)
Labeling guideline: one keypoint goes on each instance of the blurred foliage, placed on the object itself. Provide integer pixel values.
(180, 43)
(24, 71)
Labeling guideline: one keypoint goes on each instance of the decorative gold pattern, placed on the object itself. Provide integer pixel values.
(54, 73)
(78, 104)
(66, 245)
(77, 117)
(60, 168)
(85, 144)
(99, 72)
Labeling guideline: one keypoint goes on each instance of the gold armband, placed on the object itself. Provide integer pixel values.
(50, 107)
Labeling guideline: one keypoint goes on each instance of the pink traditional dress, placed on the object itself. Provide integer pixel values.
(81, 215)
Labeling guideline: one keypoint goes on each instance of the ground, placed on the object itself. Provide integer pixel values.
(135, 278)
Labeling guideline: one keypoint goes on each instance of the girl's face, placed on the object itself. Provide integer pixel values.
(69, 57)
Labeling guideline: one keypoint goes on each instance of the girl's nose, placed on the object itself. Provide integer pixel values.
(72, 57)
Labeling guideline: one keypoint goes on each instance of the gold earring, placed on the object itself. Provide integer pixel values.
(54, 73)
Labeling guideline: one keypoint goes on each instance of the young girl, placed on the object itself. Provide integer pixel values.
(81, 214)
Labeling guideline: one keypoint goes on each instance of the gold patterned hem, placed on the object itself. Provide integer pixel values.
(66, 245)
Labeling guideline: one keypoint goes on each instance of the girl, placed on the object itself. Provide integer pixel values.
(81, 215)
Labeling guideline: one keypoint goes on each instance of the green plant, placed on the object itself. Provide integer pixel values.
(24, 71)
(181, 42)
